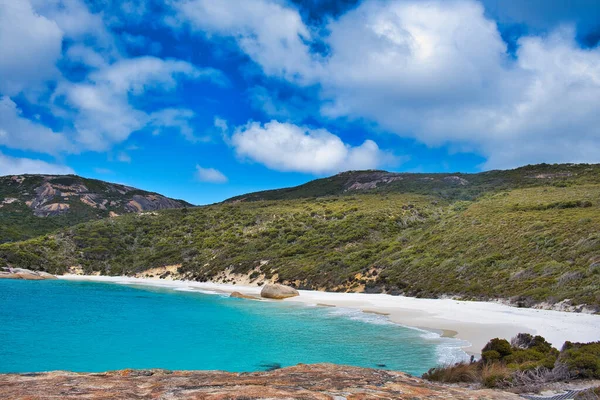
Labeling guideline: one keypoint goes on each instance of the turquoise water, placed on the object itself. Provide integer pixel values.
(89, 326)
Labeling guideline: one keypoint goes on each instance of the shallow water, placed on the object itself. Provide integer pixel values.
(91, 326)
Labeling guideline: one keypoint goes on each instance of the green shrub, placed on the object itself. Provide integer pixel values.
(490, 356)
(582, 359)
(501, 347)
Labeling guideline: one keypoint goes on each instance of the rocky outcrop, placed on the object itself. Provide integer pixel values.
(54, 195)
(319, 381)
(239, 295)
(456, 180)
(151, 202)
(51, 209)
(25, 274)
(277, 291)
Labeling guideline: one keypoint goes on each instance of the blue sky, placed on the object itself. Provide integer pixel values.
(206, 99)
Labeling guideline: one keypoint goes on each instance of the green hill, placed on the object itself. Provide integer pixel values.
(530, 235)
(33, 205)
(452, 186)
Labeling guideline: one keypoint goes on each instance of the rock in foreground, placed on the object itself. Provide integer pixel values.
(277, 291)
(26, 274)
(319, 381)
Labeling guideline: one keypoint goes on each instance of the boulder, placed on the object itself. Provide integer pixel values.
(46, 275)
(29, 277)
(239, 295)
(277, 291)
(25, 274)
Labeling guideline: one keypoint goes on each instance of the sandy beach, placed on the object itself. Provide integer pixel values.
(471, 321)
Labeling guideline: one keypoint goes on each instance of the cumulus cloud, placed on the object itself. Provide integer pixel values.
(85, 55)
(268, 31)
(288, 147)
(104, 114)
(178, 119)
(210, 175)
(31, 46)
(103, 105)
(17, 166)
(19, 132)
(437, 71)
(77, 22)
(443, 76)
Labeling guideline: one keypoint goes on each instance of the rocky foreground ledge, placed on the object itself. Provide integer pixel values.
(319, 381)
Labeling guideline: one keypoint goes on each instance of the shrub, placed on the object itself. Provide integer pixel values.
(496, 375)
(501, 347)
(582, 359)
(527, 364)
(527, 341)
(459, 372)
(491, 355)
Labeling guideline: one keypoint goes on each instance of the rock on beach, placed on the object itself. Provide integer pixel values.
(277, 291)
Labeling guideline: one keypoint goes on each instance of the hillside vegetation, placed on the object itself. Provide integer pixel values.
(534, 244)
(454, 186)
(33, 205)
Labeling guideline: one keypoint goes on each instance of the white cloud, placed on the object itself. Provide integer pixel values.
(77, 21)
(98, 110)
(437, 71)
(19, 132)
(31, 46)
(103, 112)
(124, 157)
(221, 124)
(288, 147)
(17, 166)
(82, 54)
(210, 175)
(268, 31)
(174, 118)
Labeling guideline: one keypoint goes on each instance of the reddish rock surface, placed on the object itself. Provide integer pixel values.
(319, 381)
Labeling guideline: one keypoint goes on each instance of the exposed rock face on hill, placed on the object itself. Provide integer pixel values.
(72, 198)
(320, 381)
(50, 195)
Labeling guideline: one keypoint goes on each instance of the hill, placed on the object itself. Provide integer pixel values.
(536, 244)
(32, 205)
(452, 186)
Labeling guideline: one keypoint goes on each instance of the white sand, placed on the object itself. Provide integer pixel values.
(472, 321)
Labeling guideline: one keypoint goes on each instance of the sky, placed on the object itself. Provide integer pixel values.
(206, 99)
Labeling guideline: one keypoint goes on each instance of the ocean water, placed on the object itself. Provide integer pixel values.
(90, 326)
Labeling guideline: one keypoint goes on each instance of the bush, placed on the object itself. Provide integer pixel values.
(582, 359)
(491, 355)
(495, 375)
(527, 341)
(501, 347)
(459, 372)
(527, 364)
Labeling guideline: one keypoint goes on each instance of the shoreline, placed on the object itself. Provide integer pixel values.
(475, 322)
